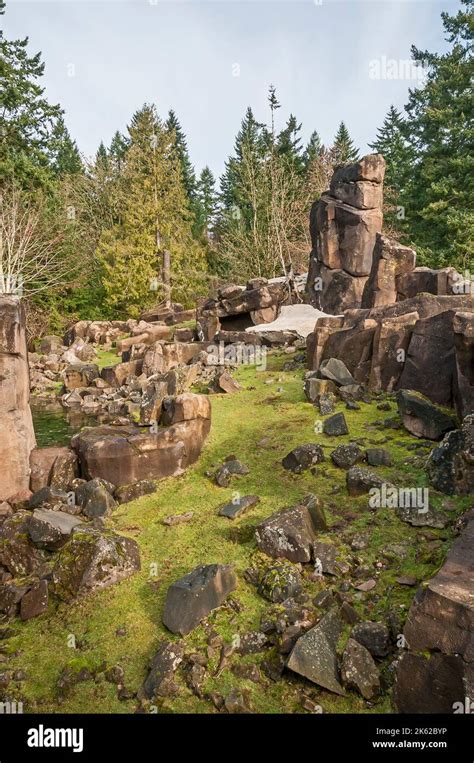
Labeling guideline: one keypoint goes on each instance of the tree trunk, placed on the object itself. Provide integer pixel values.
(167, 276)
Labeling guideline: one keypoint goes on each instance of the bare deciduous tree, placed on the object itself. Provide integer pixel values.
(32, 255)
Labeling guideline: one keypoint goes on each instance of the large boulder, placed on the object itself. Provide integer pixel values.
(438, 669)
(421, 417)
(123, 455)
(344, 223)
(93, 559)
(450, 465)
(54, 465)
(191, 598)
(390, 344)
(17, 553)
(15, 414)
(463, 383)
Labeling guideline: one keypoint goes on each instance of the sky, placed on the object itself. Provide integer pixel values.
(210, 59)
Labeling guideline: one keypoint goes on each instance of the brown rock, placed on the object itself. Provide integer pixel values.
(390, 260)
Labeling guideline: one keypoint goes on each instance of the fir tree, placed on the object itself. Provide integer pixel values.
(440, 131)
(27, 119)
(344, 150)
(208, 202)
(155, 224)
(399, 158)
(181, 148)
(313, 149)
(63, 152)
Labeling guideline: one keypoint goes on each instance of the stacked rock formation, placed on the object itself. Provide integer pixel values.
(17, 438)
(344, 223)
(239, 307)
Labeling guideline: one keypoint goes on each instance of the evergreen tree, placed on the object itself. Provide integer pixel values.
(181, 148)
(207, 201)
(27, 119)
(289, 143)
(155, 224)
(344, 150)
(440, 131)
(313, 149)
(63, 152)
(249, 150)
(390, 141)
(118, 148)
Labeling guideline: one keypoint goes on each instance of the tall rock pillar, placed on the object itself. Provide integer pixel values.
(17, 437)
(343, 225)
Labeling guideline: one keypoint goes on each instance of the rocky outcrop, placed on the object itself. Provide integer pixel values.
(123, 455)
(424, 344)
(17, 438)
(343, 226)
(237, 307)
(436, 674)
(390, 261)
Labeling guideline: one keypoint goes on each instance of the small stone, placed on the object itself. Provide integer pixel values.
(374, 636)
(359, 671)
(236, 507)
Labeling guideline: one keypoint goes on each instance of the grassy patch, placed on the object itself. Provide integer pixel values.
(259, 425)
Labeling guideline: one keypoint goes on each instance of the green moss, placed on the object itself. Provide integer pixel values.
(260, 426)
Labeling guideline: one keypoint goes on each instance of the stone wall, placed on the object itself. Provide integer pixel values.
(17, 438)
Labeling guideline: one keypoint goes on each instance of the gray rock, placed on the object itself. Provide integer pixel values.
(346, 456)
(191, 598)
(302, 457)
(314, 654)
(236, 507)
(288, 534)
(335, 370)
(228, 469)
(95, 499)
(373, 636)
(279, 582)
(160, 680)
(51, 529)
(360, 481)
(450, 465)
(421, 417)
(359, 671)
(93, 559)
(378, 457)
(336, 425)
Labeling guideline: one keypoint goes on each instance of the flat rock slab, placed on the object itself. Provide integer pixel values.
(234, 509)
(314, 654)
(196, 594)
(299, 318)
(48, 529)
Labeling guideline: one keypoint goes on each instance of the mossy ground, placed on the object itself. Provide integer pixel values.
(259, 425)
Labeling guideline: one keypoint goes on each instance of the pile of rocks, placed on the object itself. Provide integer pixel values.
(55, 543)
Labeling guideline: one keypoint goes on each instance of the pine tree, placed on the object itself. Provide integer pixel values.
(27, 119)
(118, 149)
(344, 150)
(399, 158)
(313, 149)
(289, 145)
(440, 131)
(249, 143)
(207, 201)
(155, 225)
(64, 155)
(181, 148)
